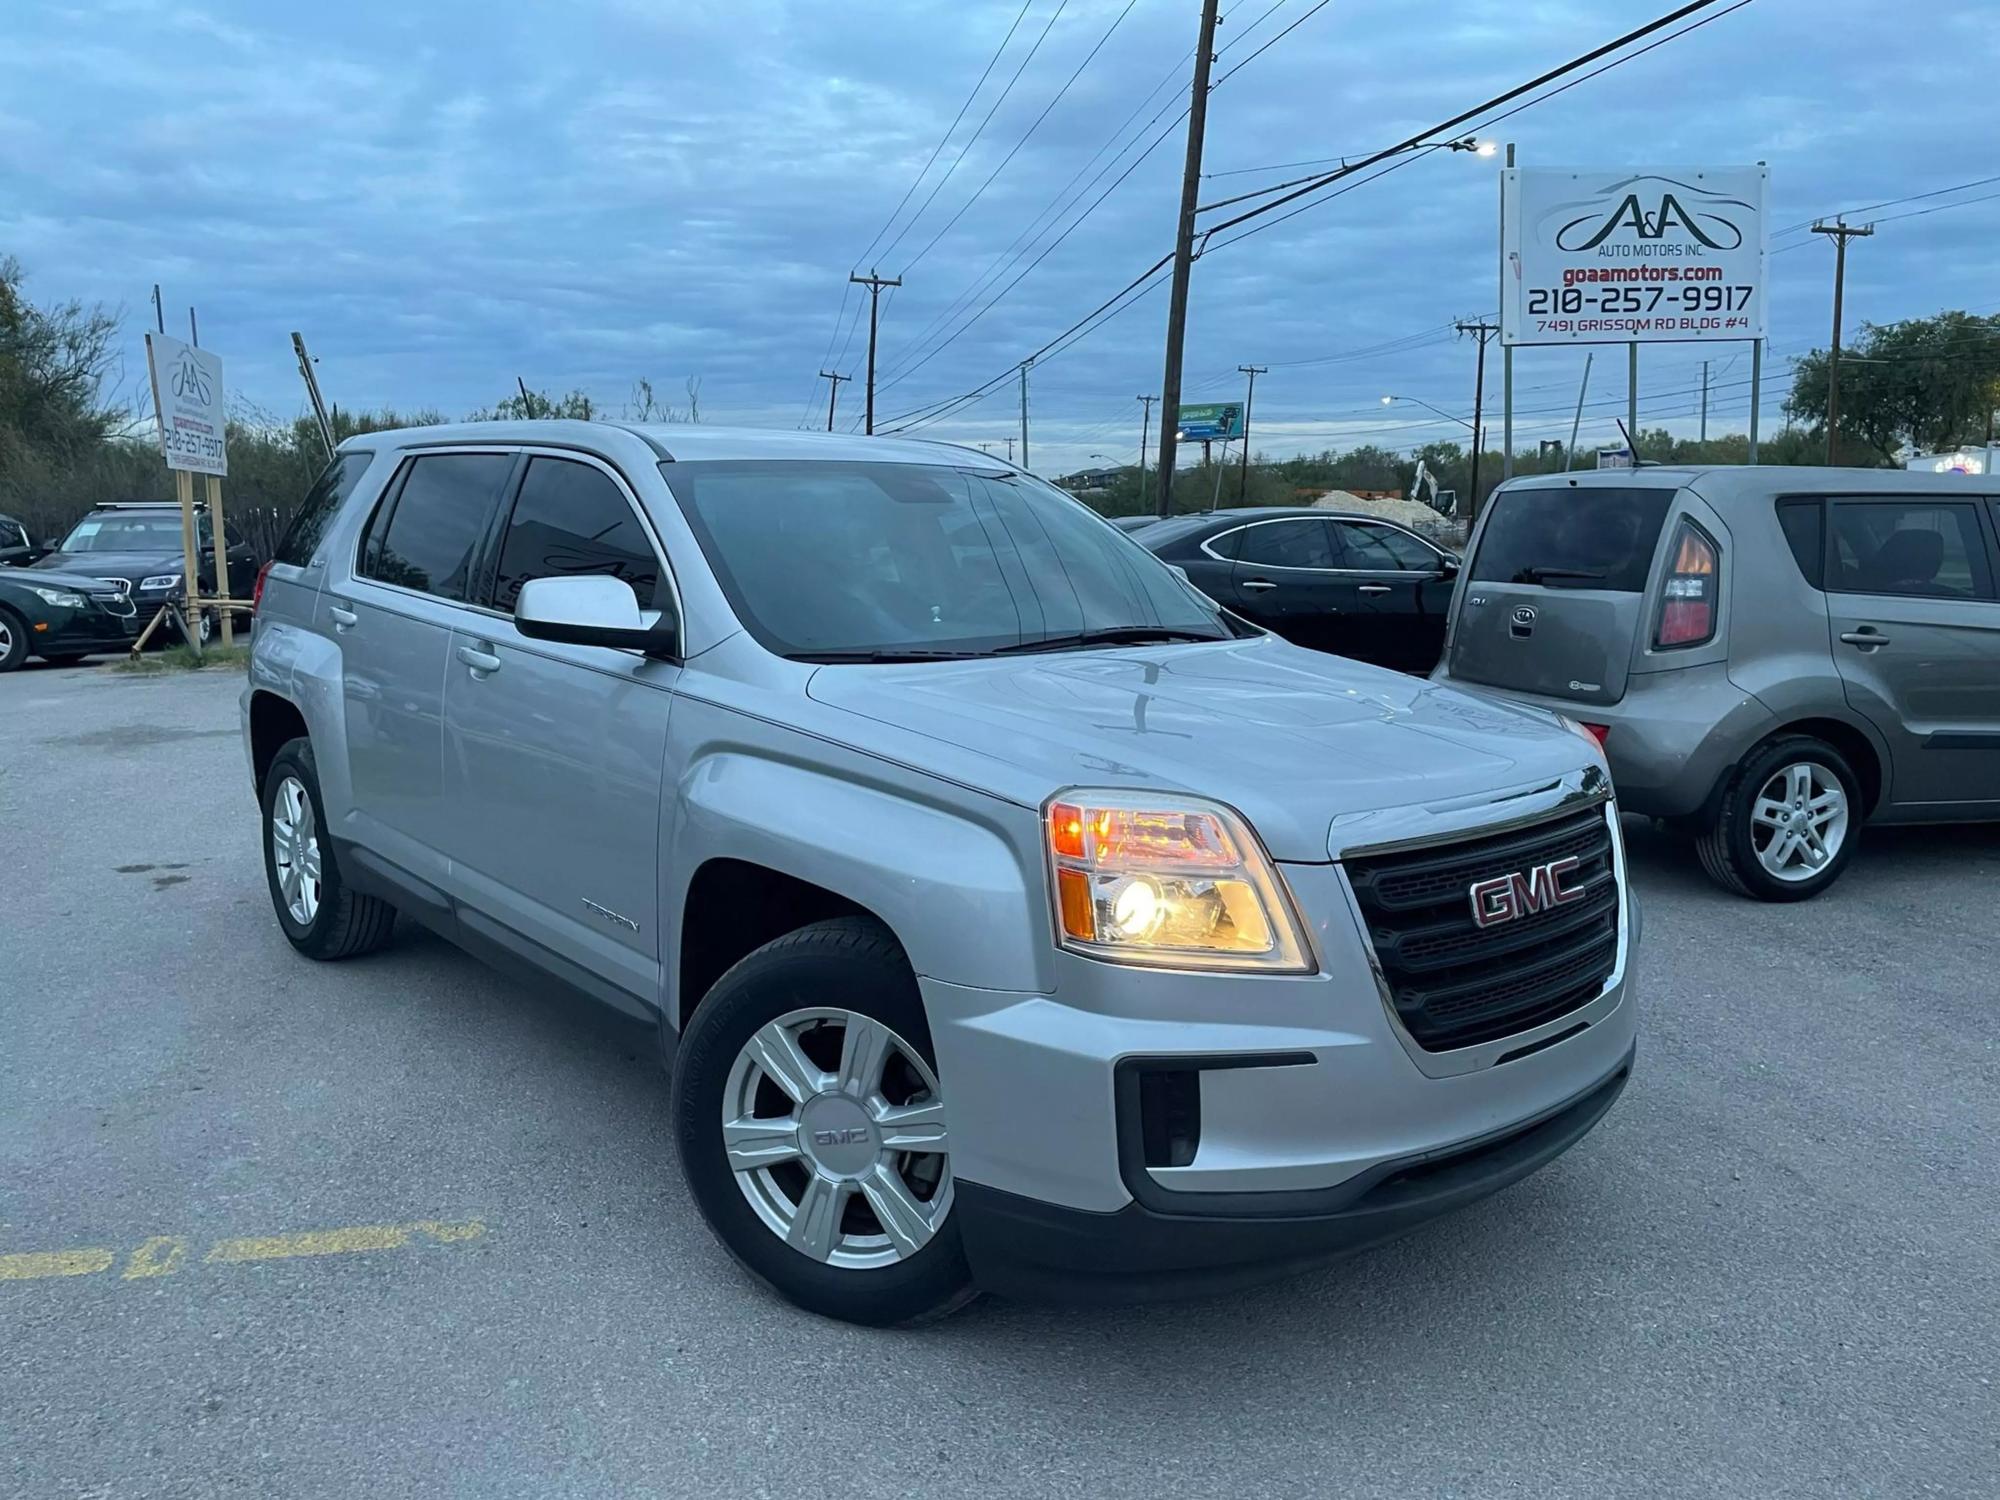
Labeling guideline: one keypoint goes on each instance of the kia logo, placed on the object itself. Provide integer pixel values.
(1505, 898)
(1525, 615)
(1651, 209)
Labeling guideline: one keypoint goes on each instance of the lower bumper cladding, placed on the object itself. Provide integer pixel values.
(1160, 1246)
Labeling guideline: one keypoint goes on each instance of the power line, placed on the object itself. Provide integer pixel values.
(1888, 203)
(1025, 134)
(1322, 5)
(973, 140)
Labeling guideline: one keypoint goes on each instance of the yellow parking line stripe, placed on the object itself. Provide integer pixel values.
(337, 1241)
(160, 1256)
(33, 1265)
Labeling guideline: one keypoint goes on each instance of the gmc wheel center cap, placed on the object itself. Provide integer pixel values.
(837, 1136)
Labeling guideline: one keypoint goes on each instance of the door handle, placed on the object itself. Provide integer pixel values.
(1256, 585)
(1373, 588)
(483, 663)
(343, 619)
(1867, 639)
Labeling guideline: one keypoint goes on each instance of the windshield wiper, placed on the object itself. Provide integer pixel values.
(1538, 575)
(883, 655)
(1123, 635)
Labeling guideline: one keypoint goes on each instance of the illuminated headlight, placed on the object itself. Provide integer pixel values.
(1171, 881)
(61, 598)
(160, 581)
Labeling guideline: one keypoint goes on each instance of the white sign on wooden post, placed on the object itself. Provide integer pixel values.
(187, 395)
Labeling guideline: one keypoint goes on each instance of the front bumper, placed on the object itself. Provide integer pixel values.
(1315, 1112)
(1020, 1246)
(64, 631)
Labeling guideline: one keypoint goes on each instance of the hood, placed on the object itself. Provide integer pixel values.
(58, 578)
(131, 565)
(1291, 738)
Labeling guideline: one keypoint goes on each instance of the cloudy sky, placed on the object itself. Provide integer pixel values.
(446, 195)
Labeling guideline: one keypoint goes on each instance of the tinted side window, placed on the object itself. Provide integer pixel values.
(571, 518)
(434, 530)
(1226, 544)
(1925, 548)
(1383, 548)
(1572, 538)
(1804, 522)
(322, 503)
(1287, 544)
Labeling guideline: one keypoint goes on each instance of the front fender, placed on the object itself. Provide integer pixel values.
(955, 874)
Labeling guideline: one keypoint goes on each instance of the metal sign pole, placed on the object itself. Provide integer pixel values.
(1756, 391)
(1569, 454)
(1632, 400)
(1506, 347)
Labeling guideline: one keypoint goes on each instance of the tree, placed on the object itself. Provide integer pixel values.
(1928, 384)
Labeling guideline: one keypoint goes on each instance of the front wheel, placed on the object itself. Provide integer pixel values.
(13, 641)
(1788, 822)
(812, 1127)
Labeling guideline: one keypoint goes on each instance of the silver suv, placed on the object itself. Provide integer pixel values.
(1014, 918)
(1770, 656)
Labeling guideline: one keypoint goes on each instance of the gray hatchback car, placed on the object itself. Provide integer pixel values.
(1770, 656)
(1015, 918)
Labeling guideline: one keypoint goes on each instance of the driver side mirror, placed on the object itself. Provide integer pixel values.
(592, 610)
(1448, 567)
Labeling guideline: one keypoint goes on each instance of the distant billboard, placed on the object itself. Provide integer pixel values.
(1621, 256)
(1959, 461)
(1214, 423)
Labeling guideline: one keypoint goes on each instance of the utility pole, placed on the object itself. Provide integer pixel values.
(1841, 235)
(1145, 432)
(1170, 387)
(1704, 406)
(874, 284)
(1253, 371)
(1024, 411)
(832, 393)
(1482, 330)
(1010, 450)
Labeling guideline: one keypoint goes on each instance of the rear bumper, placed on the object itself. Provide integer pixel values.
(1023, 1247)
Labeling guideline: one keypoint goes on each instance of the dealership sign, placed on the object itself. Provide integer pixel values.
(1622, 256)
(187, 394)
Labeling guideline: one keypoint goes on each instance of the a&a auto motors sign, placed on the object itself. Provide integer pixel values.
(187, 394)
(1617, 256)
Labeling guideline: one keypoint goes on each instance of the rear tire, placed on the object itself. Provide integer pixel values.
(13, 641)
(822, 1202)
(1787, 823)
(321, 917)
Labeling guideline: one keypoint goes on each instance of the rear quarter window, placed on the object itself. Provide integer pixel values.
(1804, 523)
(321, 504)
(1581, 538)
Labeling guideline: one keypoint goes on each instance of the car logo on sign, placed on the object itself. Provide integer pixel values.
(1505, 898)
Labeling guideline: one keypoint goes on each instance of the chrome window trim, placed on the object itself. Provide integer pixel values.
(1327, 519)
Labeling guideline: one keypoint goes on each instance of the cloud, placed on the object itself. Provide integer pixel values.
(447, 196)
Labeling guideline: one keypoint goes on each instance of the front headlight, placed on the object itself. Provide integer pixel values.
(160, 581)
(1173, 881)
(61, 598)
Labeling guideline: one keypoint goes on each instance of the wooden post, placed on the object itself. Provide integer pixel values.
(221, 538)
(190, 554)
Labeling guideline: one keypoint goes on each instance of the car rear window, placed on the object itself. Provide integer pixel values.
(1581, 538)
(1805, 531)
(321, 504)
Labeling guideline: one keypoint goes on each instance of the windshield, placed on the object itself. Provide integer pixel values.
(158, 531)
(1581, 538)
(850, 560)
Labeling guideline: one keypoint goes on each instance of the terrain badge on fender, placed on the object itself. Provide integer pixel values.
(1507, 897)
(609, 915)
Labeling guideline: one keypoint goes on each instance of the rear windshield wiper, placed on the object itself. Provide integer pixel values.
(1124, 635)
(1539, 575)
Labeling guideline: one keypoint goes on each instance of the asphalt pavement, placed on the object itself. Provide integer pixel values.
(400, 1225)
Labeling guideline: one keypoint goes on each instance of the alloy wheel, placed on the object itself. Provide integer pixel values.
(6, 637)
(1798, 821)
(295, 850)
(834, 1128)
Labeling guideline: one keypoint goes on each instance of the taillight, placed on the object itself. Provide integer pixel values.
(257, 589)
(1687, 601)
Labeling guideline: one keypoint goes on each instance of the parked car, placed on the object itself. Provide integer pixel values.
(1014, 917)
(1352, 584)
(138, 544)
(17, 550)
(60, 617)
(1771, 656)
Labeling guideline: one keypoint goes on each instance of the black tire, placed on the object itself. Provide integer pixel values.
(65, 658)
(347, 923)
(14, 651)
(1726, 843)
(849, 963)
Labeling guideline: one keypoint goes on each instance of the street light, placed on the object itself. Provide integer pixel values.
(1388, 400)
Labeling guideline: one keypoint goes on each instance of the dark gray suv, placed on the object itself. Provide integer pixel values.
(1770, 656)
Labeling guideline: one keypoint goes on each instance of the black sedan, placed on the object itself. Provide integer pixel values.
(61, 617)
(139, 544)
(1352, 584)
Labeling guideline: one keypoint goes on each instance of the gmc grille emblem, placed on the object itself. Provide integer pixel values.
(1525, 892)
